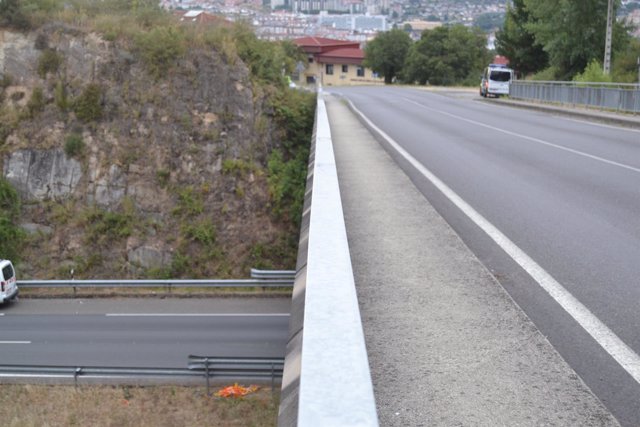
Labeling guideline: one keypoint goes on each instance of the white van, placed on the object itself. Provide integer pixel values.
(8, 285)
(496, 80)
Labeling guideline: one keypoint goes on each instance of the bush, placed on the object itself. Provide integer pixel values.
(593, 73)
(60, 96)
(203, 232)
(160, 48)
(36, 102)
(287, 165)
(48, 62)
(88, 106)
(546, 75)
(104, 226)
(11, 235)
(74, 145)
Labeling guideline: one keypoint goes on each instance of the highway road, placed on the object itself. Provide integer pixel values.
(159, 333)
(550, 205)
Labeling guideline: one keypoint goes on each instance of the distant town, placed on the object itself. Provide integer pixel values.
(361, 20)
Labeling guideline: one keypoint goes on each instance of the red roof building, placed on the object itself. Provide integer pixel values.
(334, 62)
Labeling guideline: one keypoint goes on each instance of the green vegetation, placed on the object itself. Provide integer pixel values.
(238, 167)
(103, 226)
(287, 165)
(518, 43)
(562, 37)
(11, 235)
(48, 62)
(36, 103)
(88, 106)
(447, 56)
(13, 15)
(60, 96)
(190, 203)
(593, 73)
(160, 48)
(386, 54)
(74, 145)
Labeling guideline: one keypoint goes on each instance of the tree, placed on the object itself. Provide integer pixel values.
(386, 53)
(446, 56)
(12, 15)
(518, 44)
(572, 32)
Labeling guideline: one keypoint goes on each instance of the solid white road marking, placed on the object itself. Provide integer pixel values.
(584, 122)
(197, 314)
(607, 339)
(529, 138)
(15, 342)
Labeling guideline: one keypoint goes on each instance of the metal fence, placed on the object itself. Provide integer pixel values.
(607, 96)
(208, 367)
(261, 279)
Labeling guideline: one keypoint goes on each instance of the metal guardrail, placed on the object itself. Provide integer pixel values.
(234, 368)
(200, 283)
(242, 367)
(611, 96)
(273, 274)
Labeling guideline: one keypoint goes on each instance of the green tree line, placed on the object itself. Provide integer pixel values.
(564, 39)
(447, 55)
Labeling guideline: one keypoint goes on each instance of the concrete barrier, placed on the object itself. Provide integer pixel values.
(326, 379)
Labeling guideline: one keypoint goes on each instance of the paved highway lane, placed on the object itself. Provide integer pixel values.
(140, 332)
(566, 193)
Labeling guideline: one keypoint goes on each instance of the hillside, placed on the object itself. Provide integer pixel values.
(162, 152)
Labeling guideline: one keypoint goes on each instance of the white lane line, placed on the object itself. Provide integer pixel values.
(604, 336)
(584, 122)
(15, 342)
(197, 314)
(529, 138)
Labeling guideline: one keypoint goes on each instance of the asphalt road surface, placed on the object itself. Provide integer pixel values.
(550, 205)
(140, 332)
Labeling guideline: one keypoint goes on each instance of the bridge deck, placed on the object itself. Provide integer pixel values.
(446, 343)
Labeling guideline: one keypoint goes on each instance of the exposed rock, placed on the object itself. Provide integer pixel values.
(149, 257)
(110, 188)
(32, 228)
(42, 175)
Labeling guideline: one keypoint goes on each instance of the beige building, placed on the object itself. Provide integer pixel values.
(334, 63)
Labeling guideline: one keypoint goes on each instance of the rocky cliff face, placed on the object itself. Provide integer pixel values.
(126, 175)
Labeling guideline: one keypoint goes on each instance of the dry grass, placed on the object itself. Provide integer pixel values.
(44, 405)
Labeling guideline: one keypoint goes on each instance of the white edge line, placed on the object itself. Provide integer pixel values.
(15, 342)
(197, 314)
(529, 138)
(604, 336)
(602, 125)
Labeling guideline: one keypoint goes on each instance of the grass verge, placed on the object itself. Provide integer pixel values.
(46, 405)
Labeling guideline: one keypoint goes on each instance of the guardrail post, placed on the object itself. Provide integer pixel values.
(77, 372)
(206, 372)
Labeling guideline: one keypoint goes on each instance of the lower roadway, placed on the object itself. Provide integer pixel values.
(159, 333)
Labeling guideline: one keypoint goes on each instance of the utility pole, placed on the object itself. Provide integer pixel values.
(607, 46)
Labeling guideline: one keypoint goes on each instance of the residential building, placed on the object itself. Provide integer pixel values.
(334, 63)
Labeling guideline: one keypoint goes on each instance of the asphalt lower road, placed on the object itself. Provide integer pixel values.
(140, 332)
(565, 193)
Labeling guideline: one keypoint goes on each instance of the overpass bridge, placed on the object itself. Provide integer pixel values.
(416, 301)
